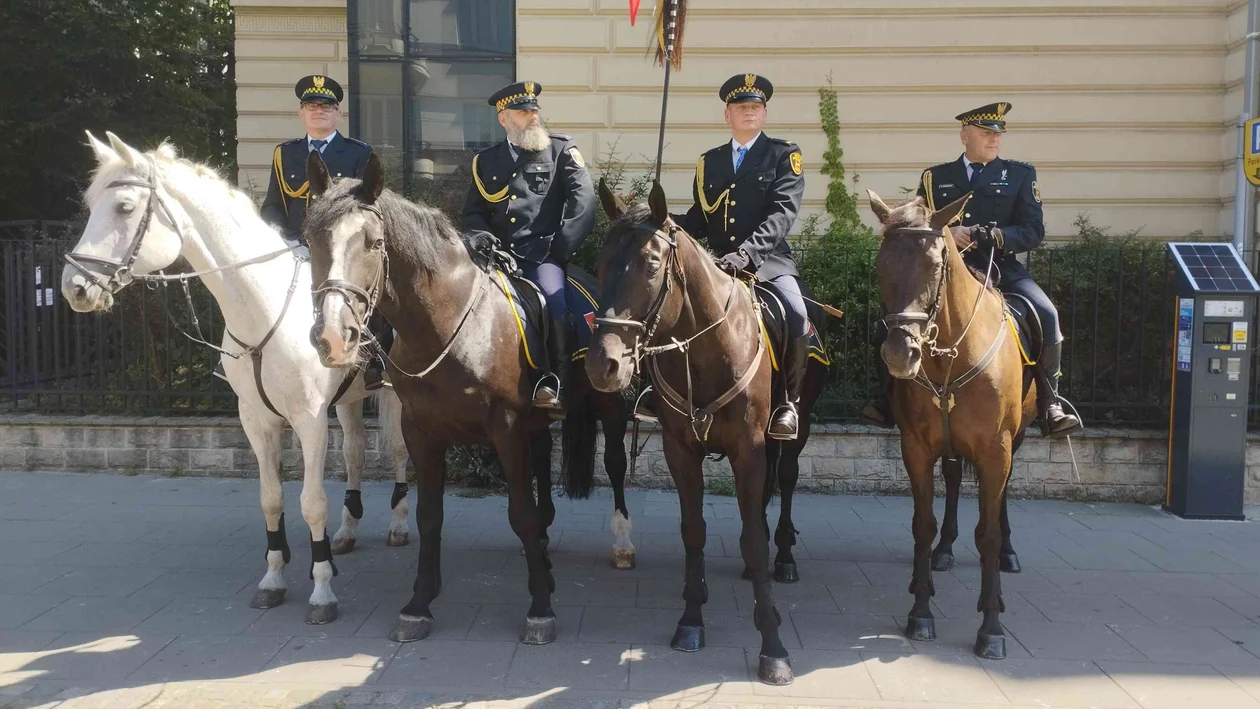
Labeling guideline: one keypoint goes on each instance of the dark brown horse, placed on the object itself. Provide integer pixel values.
(961, 392)
(665, 300)
(457, 365)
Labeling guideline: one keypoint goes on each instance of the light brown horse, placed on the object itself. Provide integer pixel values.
(961, 391)
(666, 301)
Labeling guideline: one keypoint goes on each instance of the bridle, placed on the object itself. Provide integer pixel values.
(370, 298)
(700, 418)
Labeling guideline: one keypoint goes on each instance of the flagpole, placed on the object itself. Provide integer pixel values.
(671, 19)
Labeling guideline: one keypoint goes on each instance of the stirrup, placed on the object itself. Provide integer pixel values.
(643, 414)
(784, 436)
(218, 371)
(551, 406)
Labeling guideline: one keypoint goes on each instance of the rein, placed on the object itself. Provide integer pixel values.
(943, 394)
(700, 418)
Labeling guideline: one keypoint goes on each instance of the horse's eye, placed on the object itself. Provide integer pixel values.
(125, 208)
(377, 244)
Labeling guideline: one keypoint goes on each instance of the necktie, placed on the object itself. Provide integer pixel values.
(318, 145)
(976, 167)
(739, 157)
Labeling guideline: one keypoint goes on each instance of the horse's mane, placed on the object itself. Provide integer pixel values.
(915, 214)
(639, 213)
(164, 156)
(412, 230)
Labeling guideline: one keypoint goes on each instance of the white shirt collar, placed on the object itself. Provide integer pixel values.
(735, 146)
(329, 139)
(967, 165)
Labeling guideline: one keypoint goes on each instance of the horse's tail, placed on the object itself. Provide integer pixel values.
(578, 446)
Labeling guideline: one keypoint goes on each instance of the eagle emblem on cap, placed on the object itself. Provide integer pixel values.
(318, 81)
(750, 79)
(529, 88)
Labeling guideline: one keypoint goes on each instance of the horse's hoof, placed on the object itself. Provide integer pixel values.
(267, 598)
(943, 561)
(776, 671)
(343, 546)
(991, 647)
(410, 628)
(396, 539)
(1009, 563)
(786, 572)
(688, 638)
(922, 629)
(623, 559)
(322, 614)
(539, 631)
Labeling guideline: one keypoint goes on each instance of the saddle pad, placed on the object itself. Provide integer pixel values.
(1024, 324)
(530, 309)
(773, 317)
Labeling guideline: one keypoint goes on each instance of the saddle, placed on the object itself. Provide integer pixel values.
(773, 315)
(1026, 326)
(530, 308)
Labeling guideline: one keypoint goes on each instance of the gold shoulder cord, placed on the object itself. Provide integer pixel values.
(302, 192)
(927, 189)
(704, 203)
(491, 198)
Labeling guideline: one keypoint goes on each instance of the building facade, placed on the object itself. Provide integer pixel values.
(1128, 108)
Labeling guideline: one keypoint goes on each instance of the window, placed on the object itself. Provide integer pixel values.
(420, 74)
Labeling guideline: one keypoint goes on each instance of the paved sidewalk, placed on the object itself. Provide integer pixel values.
(133, 592)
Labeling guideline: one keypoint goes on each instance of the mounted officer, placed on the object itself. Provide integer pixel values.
(533, 193)
(747, 194)
(287, 189)
(1003, 218)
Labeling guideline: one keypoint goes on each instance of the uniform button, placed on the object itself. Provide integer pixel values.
(732, 220)
(732, 203)
(513, 196)
(292, 177)
(339, 174)
(513, 220)
(495, 178)
(732, 185)
(968, 214)
(514, 174)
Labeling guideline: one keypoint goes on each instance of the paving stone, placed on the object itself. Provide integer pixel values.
(184, 583)
(1192, 646)
(352, 661)
(451, 663)
(1247, 638)
(1085, 608)
(451, 621)
(957, 636)
(603, 666)
(867, 633)
(290, 619)
(1072, 641)
(201, 616)
(505, 622)
(667, 593)
(95, 613)
(821, 674)
(209, 657)
(87, 657)
(1057, 683)
(935, 679)
(101, 581)
(662, 670)
(1177, 686)
(641, 626)
(1184, 612)
(24, 578)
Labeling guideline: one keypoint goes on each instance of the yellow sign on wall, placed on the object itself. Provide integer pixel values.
(1251, 151)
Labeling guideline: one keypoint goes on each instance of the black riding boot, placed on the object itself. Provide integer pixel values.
(786, 419)
(1055, 422)
(550, 390)
(374, 369)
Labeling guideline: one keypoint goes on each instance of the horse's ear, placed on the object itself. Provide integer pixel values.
(613, 206)
(878, 206)
(104, 153)
(317, 173)
(373, 180)
(659, 205)
(126, 152)
(947, 214)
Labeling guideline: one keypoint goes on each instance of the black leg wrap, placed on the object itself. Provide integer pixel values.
(321, 551)
(276, 541)
(400, 494)
(354, 503)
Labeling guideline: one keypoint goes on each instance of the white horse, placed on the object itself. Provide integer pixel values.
(147, 210)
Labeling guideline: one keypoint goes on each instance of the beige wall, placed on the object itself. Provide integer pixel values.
(1127, 107)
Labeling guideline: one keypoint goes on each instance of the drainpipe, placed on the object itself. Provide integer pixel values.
(1245, 192)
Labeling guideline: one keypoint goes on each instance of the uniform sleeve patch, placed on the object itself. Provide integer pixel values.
(798, 163)
(577, 157)
(1036, 192)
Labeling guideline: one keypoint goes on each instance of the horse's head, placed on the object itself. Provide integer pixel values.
(135, 227)
(637, 265)
(345, 232)
(911, 267)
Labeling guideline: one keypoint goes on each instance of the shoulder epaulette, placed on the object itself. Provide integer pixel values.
(357, 142)
(561, 137)
(295, 140)
(781, 141)
(1020, 163)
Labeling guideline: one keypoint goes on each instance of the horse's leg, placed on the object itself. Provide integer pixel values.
(943, 557)
(512, 443)
(993, 469)
(263, 433)
(773, 451)
(1009, 560)
(312, 433)
(415, 621)
(540, 445)
(391, 431)
(612, 410)
(749, 467)
(352, 447)
(919, 461)
(785, 534)
(685, 466)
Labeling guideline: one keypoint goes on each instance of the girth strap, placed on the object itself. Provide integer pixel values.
(255, 352)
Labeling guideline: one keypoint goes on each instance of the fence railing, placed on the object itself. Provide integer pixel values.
(1115, 306)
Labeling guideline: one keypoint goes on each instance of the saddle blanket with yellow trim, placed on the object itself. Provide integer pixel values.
(530, 308)
(1021, 317)
(772, 320)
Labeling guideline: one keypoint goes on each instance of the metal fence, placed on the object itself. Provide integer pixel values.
(1115, 303)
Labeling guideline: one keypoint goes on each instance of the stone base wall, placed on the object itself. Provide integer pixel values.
(1111, 464)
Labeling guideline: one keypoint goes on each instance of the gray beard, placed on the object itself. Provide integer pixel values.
(531, 140)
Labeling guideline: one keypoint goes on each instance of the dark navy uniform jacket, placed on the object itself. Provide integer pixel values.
(537, 204)
(287, 190)
(750, 210)
(1006, 193)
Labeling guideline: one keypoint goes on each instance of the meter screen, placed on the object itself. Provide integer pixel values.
(1216, 333)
